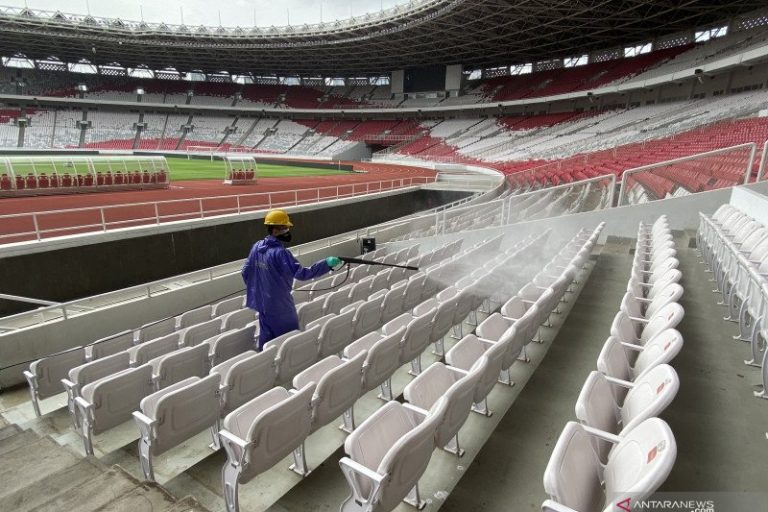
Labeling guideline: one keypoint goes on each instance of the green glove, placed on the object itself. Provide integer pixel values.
(333, 261)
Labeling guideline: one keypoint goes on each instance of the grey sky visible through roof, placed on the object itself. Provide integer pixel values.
(206, 12)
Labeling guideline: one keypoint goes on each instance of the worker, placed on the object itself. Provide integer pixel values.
(269, 272)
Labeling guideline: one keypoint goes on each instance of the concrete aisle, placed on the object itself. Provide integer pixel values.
(507, 473)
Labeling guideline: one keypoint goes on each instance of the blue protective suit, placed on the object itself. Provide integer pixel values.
(268, 273)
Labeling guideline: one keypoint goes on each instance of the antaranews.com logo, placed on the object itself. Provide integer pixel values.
(694, 502)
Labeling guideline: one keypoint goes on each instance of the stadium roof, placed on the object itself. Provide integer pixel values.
(475, 33)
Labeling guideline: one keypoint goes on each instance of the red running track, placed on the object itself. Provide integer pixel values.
(212, 196)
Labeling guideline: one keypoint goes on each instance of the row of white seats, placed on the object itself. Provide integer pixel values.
(390, 451)
(620, 449)
(734, 247)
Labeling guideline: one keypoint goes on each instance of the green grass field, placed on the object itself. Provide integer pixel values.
(180, 167)
(183, 169)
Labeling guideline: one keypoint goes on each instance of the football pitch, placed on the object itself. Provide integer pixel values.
(198, 169)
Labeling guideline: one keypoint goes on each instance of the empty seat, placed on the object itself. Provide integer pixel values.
(339, 385)
(646, 397)
(466, 360)
(392, 305)
(227, 306)
(238, 319)
(295, 354)
(260, 433)
(367, 315)
(142, 353)
(179, 365)
(382, 359)
(157, 329)
(231, 343)
(415, 338)
(110, 401)
(386, 456)
(626, 329)
(336, 332)
(637, 465)
(245, 377)
(91, 372)
(174, 414)
(458, 387)
(639, 307)
(310, 311)
(615, 359)
(110, 345)
(194, 316)
(336, 300)
(44, 375)
(201, 332)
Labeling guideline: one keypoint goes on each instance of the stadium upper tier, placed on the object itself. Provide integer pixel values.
(748, 46)
(476, 33)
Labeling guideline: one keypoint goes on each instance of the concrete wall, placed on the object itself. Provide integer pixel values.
(84, 270)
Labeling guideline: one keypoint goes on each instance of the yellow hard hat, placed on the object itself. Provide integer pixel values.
(277, 218)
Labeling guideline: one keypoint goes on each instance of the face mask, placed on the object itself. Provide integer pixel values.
(284, 237)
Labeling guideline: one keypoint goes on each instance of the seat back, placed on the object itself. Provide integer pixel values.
(493, 327)
(574, 474)
(195, 316)
(667, 317)
(200, 332)
(49, 371)
(367, 316)
(652, 393)
(191, 406)
(116, 396)
(227, 306)
(662, 348)
(624, 329)
(245, 377)
(408, 457)
(232, 343)
(640, 462)
(380, 281)
(612, 360)
(382, 359)
(111, 345)
(237, 319)
(297, 353)
(416, 337)
(443, 320)
(392, 305)
(310, 311)
(140, 354)
(336, 334)
(412, 293)
(360, 291)
(596, 407)
(337, 391)
(181, 364)
(277, 431)
(670, 293)
(336, 300)
(100, 368)
(156, 330)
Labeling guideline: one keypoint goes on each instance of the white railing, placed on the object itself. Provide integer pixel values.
(740, 171)
(763, 158)
(46, 224)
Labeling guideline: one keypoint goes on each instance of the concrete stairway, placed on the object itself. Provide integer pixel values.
(40, 475)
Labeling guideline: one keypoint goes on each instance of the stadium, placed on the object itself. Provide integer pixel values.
(532, 246)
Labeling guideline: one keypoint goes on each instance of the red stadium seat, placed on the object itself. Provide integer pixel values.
(119, 178)
(250, 174)
(145, 177)
(31, 181)
(55, 180)
(161, 176)
(136, 177)
(80, 180)
(108, 179)
(88, 180)
(20, 183)
(42, 181)
(66, 180)
(5, 182)
(99, 178)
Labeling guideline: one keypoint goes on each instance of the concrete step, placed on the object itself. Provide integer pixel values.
(188, 504)
(32, 463)
(31, 497)
(14, 441)
(7, 431)
(144, 496)
(91, 494)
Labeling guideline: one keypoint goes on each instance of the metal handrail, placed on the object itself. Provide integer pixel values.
(635, 170)
(763, 158)
(200, 212)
